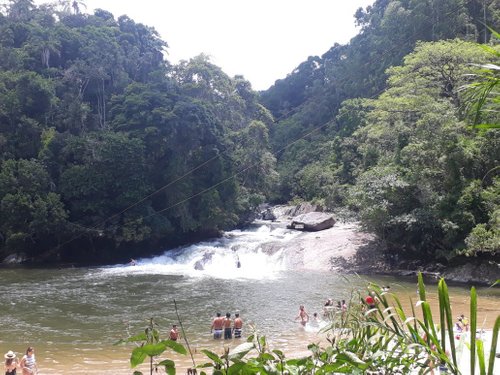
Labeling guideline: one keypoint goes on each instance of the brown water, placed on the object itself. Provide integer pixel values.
(73, 317)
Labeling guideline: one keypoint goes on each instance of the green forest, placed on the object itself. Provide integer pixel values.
(109, 151)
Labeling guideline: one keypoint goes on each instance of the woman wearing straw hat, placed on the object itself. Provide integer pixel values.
(28, 362)
(10, 363)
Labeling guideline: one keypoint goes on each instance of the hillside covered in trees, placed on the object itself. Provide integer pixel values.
(109, 151)
(381, 127)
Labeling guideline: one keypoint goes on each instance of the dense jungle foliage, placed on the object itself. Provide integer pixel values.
(107, 149)
(380, 126)
(110, 151)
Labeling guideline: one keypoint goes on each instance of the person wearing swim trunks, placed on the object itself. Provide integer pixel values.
(303, 315)
(228, 331)
(217, 325)
(238, 324)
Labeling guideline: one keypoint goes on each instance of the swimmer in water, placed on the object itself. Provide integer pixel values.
(303, 315)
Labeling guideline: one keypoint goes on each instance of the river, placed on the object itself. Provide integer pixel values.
(73, 316)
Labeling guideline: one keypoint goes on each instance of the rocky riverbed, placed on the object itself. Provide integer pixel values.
(348, 248)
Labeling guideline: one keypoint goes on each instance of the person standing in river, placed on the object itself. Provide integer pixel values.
(228, 331)
(217, 325)
(238, 325)
(174, 334)
(28, 362)
(10, 363)
(303, 315)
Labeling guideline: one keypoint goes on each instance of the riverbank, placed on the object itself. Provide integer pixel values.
(347, 248)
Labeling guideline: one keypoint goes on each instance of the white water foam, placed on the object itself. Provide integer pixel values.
(237, 254)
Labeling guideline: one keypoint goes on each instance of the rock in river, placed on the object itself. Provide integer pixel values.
(312, 221)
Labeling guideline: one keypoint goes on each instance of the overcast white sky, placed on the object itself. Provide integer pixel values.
(263, 40)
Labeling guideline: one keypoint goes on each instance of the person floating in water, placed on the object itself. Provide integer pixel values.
(238, 263)
(132, 262)
(303, 315)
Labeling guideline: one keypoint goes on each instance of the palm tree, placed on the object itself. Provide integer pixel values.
(482, 96)
(74, 6)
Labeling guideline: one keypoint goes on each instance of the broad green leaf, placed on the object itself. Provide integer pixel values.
(138, 356)
(175, 346)
(353, 359)
(237, 369)
(214, 357)
(279, 353)
(152, 350)
(241, 350)
(167, 363)
(267, 357)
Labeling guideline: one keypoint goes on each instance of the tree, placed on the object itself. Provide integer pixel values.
(414, 130)
(20, 10)
(481, 96)
(31, 215)
(74, 6)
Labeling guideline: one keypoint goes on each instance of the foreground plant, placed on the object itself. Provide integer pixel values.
(149, 345)
(380, 340)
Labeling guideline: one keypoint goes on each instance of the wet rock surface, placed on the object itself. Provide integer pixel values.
(347, 248)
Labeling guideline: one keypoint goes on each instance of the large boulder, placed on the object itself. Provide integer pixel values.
(312, 221)
(268, 214)
(292, 211)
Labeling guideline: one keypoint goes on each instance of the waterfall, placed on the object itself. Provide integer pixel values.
(244, 254)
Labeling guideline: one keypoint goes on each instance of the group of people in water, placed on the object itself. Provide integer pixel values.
(328, 308)
(226, 326)
(27, 364)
